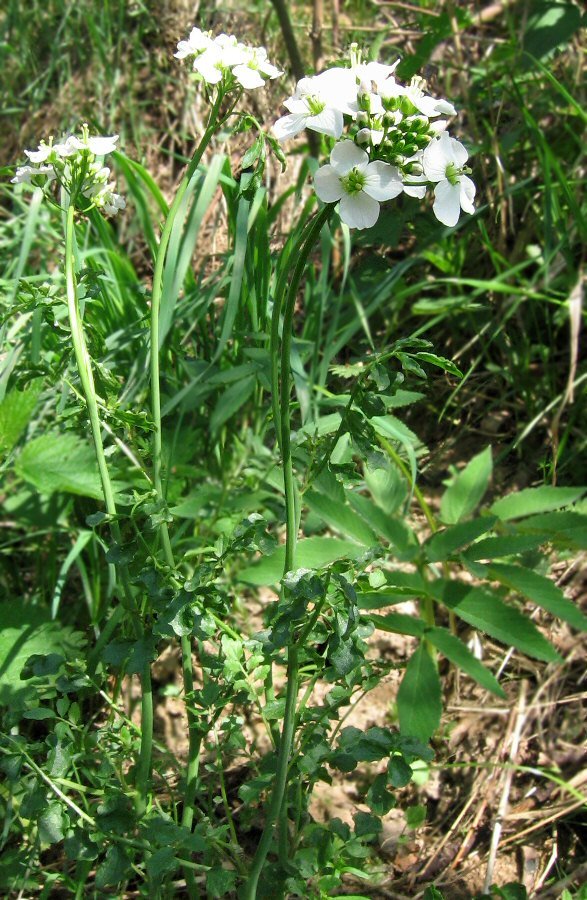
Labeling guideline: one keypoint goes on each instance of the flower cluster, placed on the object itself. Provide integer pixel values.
(390, 139)
(75, 163)
(224, 59)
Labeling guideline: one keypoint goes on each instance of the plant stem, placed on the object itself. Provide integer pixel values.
(277, 807)
(84, 367)
(186, 647)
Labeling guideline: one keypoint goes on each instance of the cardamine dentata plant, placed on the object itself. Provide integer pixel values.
(388, 139)
(76, 165)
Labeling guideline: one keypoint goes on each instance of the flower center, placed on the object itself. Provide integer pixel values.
(354, 182)
(315, 105)
(452, 173)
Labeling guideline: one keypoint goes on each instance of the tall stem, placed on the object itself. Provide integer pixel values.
(84, 367)
(186, 647)
(277, 808)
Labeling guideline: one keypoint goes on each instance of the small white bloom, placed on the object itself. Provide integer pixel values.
(24, 174)
(70, 146)
(252, 73)
(318, 103)
(360, 185)
(443, 161)
(197, 42)
(222, 55)
(100, 146)
(40, 155)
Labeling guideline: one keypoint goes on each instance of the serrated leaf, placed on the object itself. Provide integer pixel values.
(60, 462)
(29, 631)
(541, 591)
(15, 411)
(486, 612)
(311, 553)
(459, 654)
(419, 698)
(220, 882)
(467, 489)
(535, 500)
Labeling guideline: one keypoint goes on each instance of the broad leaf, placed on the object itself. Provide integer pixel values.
(445, 543)
(15, 411)
(340, 517)
(485, 611)
(541, 591)
(60, 462)
(535, 500)
(311, 553)
(459, 654)
(467, 489)
(419, 700)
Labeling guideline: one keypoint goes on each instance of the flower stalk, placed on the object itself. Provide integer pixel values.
(84, 367)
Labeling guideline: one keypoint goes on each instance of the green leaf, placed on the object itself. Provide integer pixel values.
(399, 623)
(485, 611)
(419, 699)
(15, 411)
(467, 488)
(445, 543)
(549, 25)
(535, 500)
(340, 517)
(392, 528)
(230, 401)
(378, 798)
(459, 654)
(60, 462)
(114, 869)
(541, 591)
(220, 882)
(28, 631)
(440, 361)
(311, 553)
(52, 824)
(162, 863)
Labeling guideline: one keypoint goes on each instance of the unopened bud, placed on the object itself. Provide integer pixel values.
(363, 136)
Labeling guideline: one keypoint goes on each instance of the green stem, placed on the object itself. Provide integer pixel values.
(277, 807)
(186, 647)
(84, 367)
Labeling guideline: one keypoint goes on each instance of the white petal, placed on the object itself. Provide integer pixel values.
(288, 126)
(247, 77)
(359, 210)
(40, 155)
(269, 70)
(346, 156)
(447, 203)
(329, 122)
(100, 146)
(436, 158)
(327, 185)
(459, 152)
(444, 108)
(413, 189)
(383, 181)
(467, 194)
(296, 105)
(206, 66)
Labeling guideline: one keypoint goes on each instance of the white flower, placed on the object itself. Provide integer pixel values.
(100, 146)
(360, 185)
(318, 103)
(222, 54)
(197, 42)
(252, 73)
(68, 147)
(41, 154)
(443, 161)
(24, 174)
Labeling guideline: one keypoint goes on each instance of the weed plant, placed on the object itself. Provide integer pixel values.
(203, 407)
